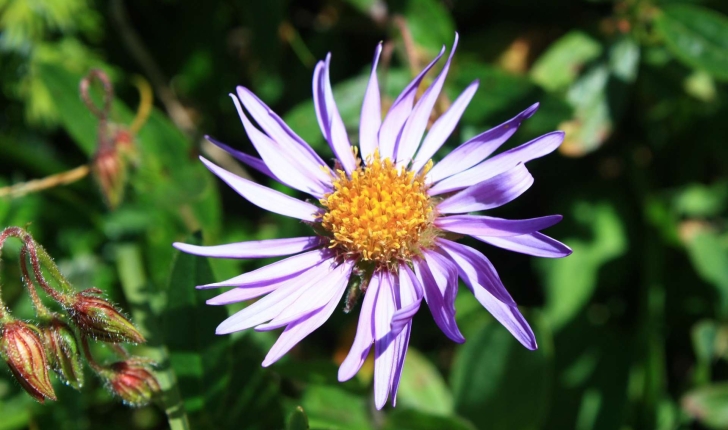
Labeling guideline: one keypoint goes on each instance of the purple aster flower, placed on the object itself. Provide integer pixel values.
(384, 214)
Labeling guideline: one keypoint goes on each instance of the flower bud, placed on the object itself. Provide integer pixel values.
(132, 380)
(22, 349)
(99, 319)
(109, 169)
(64, 355)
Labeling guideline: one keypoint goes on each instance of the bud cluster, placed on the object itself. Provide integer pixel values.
(31, 350)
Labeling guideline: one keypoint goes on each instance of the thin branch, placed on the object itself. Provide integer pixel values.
(36, 185)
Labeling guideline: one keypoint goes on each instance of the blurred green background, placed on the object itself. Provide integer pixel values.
(632, 328)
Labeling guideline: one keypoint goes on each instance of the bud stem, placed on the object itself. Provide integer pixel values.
(87, 353)
(41, 310)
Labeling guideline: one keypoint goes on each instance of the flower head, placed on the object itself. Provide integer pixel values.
(386, 215)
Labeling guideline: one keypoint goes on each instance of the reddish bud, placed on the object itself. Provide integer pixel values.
(63, 352)
(110, 164)
(132, 380)
(22, 349)
(99, 319)
(109, 170)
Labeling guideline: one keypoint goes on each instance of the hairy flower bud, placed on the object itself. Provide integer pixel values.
(132, 380)
(62, 350)
(22, 349)
(109, 170)
(99, 319)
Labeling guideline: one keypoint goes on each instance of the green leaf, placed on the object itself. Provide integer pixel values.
(709, 405)
(430, 23)
(408, 419)
(332, 407)
(708, 252)
(297, 420)
(422, 387)
(498, 384)
(189, 332)
(559, 66)
(599, 98)
(696, 36)
(571, 281)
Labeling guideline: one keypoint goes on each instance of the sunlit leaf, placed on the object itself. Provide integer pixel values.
(422, 387)
(697, 36)
(571, 281)
(709, 405)
(498, 384)
(559, 66)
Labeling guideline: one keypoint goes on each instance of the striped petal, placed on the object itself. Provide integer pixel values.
(281, 160)
(364, 332)
(476, 225)
(418, 119)
(501, 163)
(536, 244)
(443, 127)
(264, 197)
(371, 112)
(399, 112)
(478, 148)
(489, 194)
(332, 126)
(274, 272)
(274, 303)
(253, 248)
(483, 281)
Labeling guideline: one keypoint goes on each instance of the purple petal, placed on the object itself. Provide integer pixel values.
(536, 148)
(281, 160)
(250, 161)
(482, 279)
(418, 119)
(476, 225)
(299, 329)
(364, 332)
(371, 112)
(277, 130)
(274, 303)
(410, 297)
(489, 194)
(501, 163)
(244, 293)
(443, 127)
(536, 244)
(473, 265)
(253, 248)
(398, 113)
(265, 197)
(478, 148)
(274, 272)
(330, 288)
(401, 343)
(441, 311)
(329, 118)
(384, 349)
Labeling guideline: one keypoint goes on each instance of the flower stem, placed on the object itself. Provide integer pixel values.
(145, 104)
(36, 185)
(90, 358)
(41, 310)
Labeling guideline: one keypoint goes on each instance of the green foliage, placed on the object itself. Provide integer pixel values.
(697, 36)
